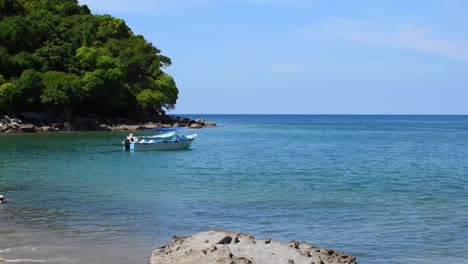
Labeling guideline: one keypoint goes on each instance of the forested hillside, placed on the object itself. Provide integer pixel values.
(56, 56)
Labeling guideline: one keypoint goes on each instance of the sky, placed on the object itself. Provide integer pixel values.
(307, 56)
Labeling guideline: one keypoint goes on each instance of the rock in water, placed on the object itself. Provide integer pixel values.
(224, 247)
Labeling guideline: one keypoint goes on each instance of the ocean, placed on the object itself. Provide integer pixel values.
(385, 189)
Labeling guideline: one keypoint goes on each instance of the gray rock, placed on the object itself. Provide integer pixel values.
(134, 127)
(27, 128)
(58, 126)
(47, 122)
(208, 123)
(195, 125)
(67, 126)
(13, 125)
(9, 120)
(224, 247)
(104, 127)
(45, 129)
(151, 125)
(126, 127)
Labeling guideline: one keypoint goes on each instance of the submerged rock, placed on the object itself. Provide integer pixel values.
(224, 247)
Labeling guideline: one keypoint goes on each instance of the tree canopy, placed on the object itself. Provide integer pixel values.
(56, 55)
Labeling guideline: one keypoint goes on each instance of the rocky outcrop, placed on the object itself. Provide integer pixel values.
(40, 122)
(186, 122)
(224, 247)
(27, 128)
(8, 125)
(195, 125)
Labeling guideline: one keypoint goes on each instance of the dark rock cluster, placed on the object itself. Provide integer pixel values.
(40, 122)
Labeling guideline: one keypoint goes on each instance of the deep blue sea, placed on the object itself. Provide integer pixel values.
(386, 189)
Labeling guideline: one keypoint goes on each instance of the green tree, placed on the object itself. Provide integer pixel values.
(12, 31)
(30, 87)
(55, 55)
(166, 85)
(150, 100)
(9, 97)
(87, 57)
(9, 8)
(60, 90)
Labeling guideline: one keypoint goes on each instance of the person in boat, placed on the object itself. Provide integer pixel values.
(131, 138)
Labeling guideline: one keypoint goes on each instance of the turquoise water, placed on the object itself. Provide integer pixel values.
(386, 189)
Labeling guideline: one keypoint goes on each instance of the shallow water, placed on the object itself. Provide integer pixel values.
(382, 188)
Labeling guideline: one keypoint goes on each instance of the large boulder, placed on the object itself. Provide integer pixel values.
(224, 247)
(45, 129)
(204, 122)
(196, 125)
(126, 127)
(104, 127)
(151, 125)
(209, 123)
(27, 128)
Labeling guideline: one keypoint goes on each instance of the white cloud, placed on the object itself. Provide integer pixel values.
(401, 68)
(406, 67)
(406, 36)
(413, 37)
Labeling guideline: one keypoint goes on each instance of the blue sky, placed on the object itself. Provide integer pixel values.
(308, 56)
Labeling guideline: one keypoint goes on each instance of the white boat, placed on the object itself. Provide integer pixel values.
(163, 141)
(167, 135)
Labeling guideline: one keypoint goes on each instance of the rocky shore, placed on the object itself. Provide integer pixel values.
(31, 123)
(225, 247)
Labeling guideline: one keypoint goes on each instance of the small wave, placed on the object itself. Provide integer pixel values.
(34, 260)
(20, 260)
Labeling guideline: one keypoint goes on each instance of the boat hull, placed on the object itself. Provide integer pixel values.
(168, 141)
(164, 145)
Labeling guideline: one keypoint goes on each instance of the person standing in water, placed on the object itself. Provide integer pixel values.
(132, 138)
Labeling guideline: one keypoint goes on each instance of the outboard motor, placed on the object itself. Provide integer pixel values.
(127, 144)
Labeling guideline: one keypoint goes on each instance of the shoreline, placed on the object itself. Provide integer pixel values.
(93, 124)
(209, 246)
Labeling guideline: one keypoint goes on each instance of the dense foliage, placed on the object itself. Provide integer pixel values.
(55, 56)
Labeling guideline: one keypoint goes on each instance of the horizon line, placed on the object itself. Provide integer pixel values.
(319, 114)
